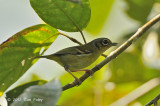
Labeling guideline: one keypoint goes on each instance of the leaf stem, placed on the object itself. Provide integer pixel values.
(60, 33)
(71, 38)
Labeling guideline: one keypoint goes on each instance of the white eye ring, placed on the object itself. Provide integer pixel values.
(105, 42)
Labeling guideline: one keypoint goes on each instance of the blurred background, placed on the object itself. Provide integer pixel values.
(131, 79)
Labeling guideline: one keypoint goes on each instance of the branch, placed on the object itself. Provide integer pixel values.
(72, 39)
(154, 101)
(60, 33)
(118, 51)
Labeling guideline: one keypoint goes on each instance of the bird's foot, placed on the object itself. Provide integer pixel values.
(86, 70)
(78, 81)
(90, 72)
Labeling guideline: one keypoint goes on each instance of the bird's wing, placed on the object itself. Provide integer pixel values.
(78, 50)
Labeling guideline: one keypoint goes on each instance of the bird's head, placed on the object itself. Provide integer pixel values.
(102, 44)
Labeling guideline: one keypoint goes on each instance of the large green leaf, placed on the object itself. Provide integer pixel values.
(17, 51)
(40, 95)
(67, 15)
(139, 9)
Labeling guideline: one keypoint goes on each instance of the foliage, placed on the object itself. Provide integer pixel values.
(66, 15)
(19, 51)
(139, 10)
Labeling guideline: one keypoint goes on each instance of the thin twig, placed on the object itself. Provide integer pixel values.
(72, 39)
(82, 35)
(118, 51)
(60, 33)
(154, 101)
(104, 55)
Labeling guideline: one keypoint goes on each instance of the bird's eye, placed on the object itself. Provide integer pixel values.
(105, 42)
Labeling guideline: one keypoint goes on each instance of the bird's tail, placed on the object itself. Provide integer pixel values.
(40, 57)
(51, 57)
(36, 57)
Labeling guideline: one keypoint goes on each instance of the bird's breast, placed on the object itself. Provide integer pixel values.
(77, 62)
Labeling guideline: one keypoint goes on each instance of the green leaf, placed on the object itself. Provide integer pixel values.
(40, 95)
(99, 14)
(139, 9)
(14, 93)
(17, 51)
(67, 15)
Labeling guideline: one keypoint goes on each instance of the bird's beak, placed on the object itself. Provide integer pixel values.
(114, 44)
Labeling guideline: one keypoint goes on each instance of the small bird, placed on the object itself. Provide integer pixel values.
(78, 57)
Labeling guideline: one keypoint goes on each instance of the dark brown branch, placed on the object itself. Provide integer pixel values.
(154, 101)
(118, 51)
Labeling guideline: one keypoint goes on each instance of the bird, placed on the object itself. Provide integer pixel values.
(76, 58)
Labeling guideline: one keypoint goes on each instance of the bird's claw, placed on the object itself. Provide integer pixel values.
(78, 81)
(90, 72)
